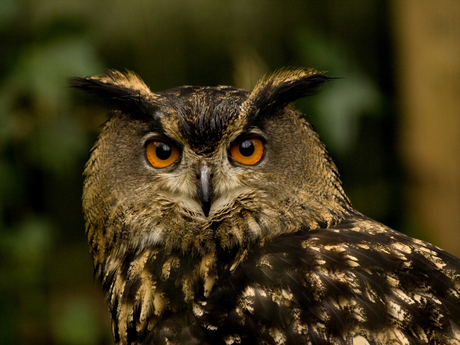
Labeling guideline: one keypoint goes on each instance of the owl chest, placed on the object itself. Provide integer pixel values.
(152, 294)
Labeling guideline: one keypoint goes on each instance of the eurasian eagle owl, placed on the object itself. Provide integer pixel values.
(216, 216)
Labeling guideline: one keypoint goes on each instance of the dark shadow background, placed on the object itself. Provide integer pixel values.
(47, 292)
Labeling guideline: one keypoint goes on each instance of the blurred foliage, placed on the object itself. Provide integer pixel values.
(46, 129)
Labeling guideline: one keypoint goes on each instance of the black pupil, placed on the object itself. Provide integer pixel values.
(163, 151)
(247, 148)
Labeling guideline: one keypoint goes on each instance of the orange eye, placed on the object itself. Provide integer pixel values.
(248, 151)
(161, 154)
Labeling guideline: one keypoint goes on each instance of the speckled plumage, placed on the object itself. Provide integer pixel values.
(273, 253)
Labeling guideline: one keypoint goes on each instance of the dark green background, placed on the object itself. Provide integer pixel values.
(47, 292)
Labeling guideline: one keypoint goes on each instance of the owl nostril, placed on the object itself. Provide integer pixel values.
(205, 187)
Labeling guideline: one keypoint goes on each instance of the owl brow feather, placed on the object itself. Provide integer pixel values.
(204, 113)
(282, 88)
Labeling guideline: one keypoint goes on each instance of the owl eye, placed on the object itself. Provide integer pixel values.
(161, 154)
(248, 151)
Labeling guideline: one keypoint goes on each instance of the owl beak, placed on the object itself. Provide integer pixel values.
(205, 187)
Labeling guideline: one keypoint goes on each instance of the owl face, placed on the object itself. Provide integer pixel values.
(196, 168)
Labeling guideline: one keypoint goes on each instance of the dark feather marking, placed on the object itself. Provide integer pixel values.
(132, 335)
(323, 255)
(130, 290)
(359, 253)
(378, 313)
(129, 259)
(330, 281)
(114, 314)
(108, 280)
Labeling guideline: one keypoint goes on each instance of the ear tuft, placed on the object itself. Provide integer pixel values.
(126, 92)
(282, 88)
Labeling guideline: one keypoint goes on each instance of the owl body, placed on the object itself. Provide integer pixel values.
(216, 216)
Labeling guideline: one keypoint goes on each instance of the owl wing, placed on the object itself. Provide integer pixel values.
(358, 282)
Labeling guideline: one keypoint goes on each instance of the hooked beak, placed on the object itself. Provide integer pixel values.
(205, 187)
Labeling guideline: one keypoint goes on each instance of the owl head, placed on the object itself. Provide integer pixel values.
(199, 169)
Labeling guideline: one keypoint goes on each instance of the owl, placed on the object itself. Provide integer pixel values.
(214, 215)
